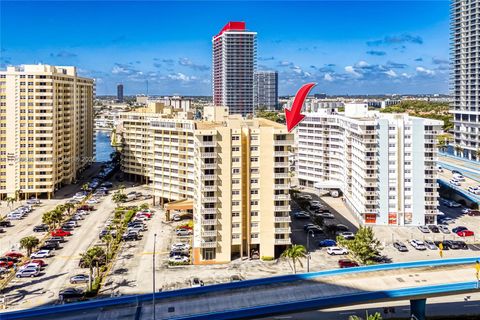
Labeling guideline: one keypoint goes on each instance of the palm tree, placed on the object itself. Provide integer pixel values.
(92, 259)
(375, 316)
(10, 201)
(441, 145)
(458, 149)
(144, 206)
(85, 187)
(108, 241)
(294, 253)
(17, 194)
(121, 188)
(29, 243)
(69, 207)
(477, 154)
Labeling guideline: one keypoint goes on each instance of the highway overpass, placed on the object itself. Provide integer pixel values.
(414, 281)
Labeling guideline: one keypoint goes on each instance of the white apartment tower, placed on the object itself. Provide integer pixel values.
(384, 164)
(46, 128)
(265, 90)
(234, 62)
(465, 78)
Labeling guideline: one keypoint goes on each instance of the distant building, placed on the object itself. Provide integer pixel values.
(120, 92)
(381, 104)
(465, 77)
(46, 128)
(265, 90)
(320, 95)
(232, 172)
(384, 164)
(141, 99)
(234, 62)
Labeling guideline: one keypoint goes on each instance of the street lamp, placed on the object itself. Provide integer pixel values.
(153, 275)
(308, 248)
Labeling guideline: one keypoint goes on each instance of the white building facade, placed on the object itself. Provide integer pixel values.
(384, 164)
(265, 90)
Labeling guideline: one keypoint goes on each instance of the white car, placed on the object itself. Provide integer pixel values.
(474, 190)
(455, 182)
(417, 244)
(424, 229)
(92, 201)
(346, 235)
(180, 246)
(447, 220)
(336, 251)
(183, 232)
(178, 259)
(176, 217)
(40, 254)
(466, 210)
(14, 216)
(443, 229)
(33, 201)
(458, 177)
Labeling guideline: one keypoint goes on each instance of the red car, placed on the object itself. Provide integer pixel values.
(13, 254)
(347, 263)
(473, 213)
(465, 233)
(60, 233)
(146, 214)
(6, 264)
(185, 227)
(40, 262)
(86, 207)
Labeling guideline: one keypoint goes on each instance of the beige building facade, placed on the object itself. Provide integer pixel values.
(46, 128)
(235, 170)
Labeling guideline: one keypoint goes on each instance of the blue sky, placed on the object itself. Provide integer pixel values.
(347, 47)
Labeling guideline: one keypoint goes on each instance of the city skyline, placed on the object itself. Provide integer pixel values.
(347, 47)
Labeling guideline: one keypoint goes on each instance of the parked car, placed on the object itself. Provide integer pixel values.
(430, 245)
(466, 233)
(315, 229)
(185, 253)
(180, 246)
(325, 215)
(400, 246)
(92, 201)
(417, 244)
(446, 220)
(196, 282)
(346, 235)
(6, 264)
(473, 213)
(443, 229)
(60, 233)
(57, 239)
(33, 201)
(5, 223)
(336, 251)
(33, 266)
(458, 176)
(39, 262)
(473, 190)
(459, 228)
(455, 182)
(460, 244)
(327, 243)
(67, 227)
(424, 229)
(433, 228)
(13, 254)
(50, 246)
(70, 293)
(86, 207)
(131, 236)
(449, 244)
(27, 273)
(79, 278)
(347, 263)
(176, 259)
(183, 232)
(176, 217)
(40, 254)
(301, 215)
(40, 228)
(9, 259)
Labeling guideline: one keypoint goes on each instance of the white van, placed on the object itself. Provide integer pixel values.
(458, 177)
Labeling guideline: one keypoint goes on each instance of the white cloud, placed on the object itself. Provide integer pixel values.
(362, 64)
(391, 73)
(351, 70)
(425, 71)
(181, 77)
(328, 77)
(406, 75)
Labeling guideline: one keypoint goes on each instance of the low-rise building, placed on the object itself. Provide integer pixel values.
(384, 164)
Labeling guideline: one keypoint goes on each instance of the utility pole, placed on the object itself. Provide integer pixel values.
(153, 275)
(308, 248)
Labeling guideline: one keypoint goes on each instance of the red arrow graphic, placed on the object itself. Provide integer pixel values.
(293, 116)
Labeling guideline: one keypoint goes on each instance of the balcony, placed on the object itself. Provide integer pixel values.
(283, 241)
(281, 208)
(207, 143)
(208, 166)
(281, 153)
(209, 188)
(281, 164)
(282, 230)
(209, 222)
(209, 233)
(209, 199)
(281, 186)
(283, 219)
(209, 244)
(208, 155)
(281, 175)
(209, 177)
(281, 197)
(282, 142)
(209, 210)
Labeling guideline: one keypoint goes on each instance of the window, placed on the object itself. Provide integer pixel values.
(235, 159)
(254, 235)
(236, 171)
(235, 225)
(235, 138)
(254, 202)
(235, 192)
(235, 214)
(254, 213)
(254, 224)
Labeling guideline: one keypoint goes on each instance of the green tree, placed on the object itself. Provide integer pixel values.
(85, 187)
(107, 239)
(119, 197)
(92, 259)
(10, 201)
(29, 243)
(69, 207)
(52, 218)
(144, 206)
(364, 247)
(17, 194)
(295, 253)
(458, 149)
(375, 316)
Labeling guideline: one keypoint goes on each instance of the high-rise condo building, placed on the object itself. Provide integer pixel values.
(233, 173)
(120, 92)
(265, 90)
(465, 79)
(234, 62)
(46, 128)
(384, 164)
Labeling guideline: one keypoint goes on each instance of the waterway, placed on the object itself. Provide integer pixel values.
(103, 147)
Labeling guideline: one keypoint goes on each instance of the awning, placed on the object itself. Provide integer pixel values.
(184, 204)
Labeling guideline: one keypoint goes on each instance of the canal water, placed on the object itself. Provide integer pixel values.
(103, 147)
